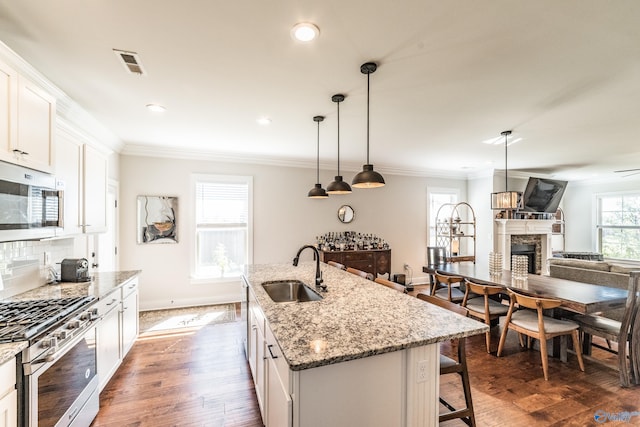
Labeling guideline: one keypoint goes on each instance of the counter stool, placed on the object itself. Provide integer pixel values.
(337, 265)
(450, 366)
(389, 284)
(534, 324)
(360, 273)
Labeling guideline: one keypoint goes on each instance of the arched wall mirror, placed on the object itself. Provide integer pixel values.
(346, 214)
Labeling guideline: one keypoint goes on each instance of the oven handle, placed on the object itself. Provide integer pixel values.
(54, 354)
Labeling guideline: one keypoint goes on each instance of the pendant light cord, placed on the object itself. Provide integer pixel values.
(318, 155)
(338, 137)
(368, 76)
(506, 168)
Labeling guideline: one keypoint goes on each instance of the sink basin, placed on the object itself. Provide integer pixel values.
(290, 291)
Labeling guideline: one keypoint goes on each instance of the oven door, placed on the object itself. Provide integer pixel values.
(62, 390)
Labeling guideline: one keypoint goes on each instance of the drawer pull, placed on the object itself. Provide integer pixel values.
(270, 352)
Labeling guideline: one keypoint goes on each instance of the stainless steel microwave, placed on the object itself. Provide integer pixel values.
(31, 204)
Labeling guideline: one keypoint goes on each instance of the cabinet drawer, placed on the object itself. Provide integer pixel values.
(358, 256)
(108, 303)
(129, 287)
(274, 353)
(331, 256)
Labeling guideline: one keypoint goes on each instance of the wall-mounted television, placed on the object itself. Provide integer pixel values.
(542, 195)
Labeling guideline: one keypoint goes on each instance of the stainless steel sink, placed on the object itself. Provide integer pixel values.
(290, 291)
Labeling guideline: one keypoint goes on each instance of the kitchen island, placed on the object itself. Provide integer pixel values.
(363, 355)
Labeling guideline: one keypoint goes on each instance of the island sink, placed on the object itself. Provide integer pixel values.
(290, 291)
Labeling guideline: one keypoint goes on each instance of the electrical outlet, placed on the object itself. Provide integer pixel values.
(422, 373)
(406, 266)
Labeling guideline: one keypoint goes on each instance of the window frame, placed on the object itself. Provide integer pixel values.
(218, 178)
(599, 227)
(452, 191)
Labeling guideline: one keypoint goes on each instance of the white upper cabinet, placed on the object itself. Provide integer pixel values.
(8, 111)
(36, 116)
(27, 115)
(69, 152)
(95, 190)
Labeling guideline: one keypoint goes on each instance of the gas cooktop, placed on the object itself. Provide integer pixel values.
(22, 320)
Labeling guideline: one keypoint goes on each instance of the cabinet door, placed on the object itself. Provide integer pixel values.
(69, 174)
(129, 318)
(108, 344)
(95, 190)
(36, 117)
(9, 410)
(280, 411)
(8, 111)
(260, 377)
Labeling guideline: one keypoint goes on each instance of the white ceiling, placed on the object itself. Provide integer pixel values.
(563, 74)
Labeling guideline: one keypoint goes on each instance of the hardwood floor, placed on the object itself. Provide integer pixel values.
(203, 379)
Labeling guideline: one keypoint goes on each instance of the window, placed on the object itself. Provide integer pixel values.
(618, 225)
(222, 225)
(437, 198)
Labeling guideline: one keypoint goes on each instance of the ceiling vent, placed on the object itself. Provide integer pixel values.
(131, 62)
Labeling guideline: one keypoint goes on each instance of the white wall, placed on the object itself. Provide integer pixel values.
(284, 220)
(479, 197)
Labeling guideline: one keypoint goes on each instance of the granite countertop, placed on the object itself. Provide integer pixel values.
(101, 285)
(357, 317)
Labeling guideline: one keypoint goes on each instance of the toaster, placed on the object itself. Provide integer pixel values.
(74, 270)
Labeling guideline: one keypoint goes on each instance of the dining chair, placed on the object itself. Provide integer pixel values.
(360, 273)
(447, 287)
(477, 299)
(337, 265)
(534, 324)
(389, 284)
(451, 366)
(617, 331)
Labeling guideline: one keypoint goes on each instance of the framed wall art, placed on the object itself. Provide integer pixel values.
(157, 219)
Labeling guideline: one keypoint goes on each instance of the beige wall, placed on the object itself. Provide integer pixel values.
(284, 220)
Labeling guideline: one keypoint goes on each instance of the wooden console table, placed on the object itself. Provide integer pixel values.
(374, 261)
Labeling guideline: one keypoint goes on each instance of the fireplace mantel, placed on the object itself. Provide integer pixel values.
(505, 228)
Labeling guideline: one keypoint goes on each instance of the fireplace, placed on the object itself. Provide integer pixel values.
(529, 251)
(508, 232)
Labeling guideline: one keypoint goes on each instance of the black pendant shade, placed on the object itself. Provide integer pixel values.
(317, 192)
(368, 178)
(338, 186)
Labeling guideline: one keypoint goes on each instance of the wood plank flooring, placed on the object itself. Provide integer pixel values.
(203, 379)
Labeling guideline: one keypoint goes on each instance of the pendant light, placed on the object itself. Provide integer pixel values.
(368, 178)
(338, 186)
(317, 192)
(505, 200)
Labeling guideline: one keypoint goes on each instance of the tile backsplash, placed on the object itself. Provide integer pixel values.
(22, 264)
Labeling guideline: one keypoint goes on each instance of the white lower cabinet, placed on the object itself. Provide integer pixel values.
(8, 395)
(279, 402)
(383, 390)
(129, 315)
(108, 334)
(117, 329)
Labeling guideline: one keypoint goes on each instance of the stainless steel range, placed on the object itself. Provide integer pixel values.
(57, 380)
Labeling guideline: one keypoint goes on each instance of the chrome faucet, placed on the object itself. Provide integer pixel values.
(316, 256)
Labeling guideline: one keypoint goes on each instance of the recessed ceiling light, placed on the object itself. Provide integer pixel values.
(264, 121)
(304, 32)
(500, 140)
(156, 108)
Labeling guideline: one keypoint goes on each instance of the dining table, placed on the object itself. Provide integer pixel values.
(578, 297)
